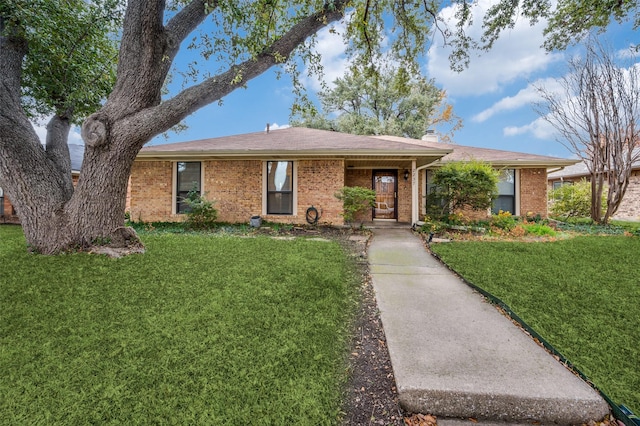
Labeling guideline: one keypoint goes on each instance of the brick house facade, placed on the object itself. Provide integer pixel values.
(240, 173)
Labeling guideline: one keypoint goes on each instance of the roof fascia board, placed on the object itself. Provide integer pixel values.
(296, 154)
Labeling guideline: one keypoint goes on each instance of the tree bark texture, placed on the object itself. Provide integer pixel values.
(55, 217)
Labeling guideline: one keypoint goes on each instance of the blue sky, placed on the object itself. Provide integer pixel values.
(493, 96)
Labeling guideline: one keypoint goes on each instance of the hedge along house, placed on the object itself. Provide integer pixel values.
(280, 175)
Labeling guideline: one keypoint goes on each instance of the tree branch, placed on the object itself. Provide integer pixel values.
(171, 112)
(181, 25)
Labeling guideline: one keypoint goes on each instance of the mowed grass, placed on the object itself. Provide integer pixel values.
(199, 330)
(580, 294)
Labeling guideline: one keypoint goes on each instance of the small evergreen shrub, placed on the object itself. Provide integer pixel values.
(460, 185)
(355, 200)
(201, 213)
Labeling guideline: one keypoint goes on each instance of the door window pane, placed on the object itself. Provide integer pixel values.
(385, 187)
(188, 179)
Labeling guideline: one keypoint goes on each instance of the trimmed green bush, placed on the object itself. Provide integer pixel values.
(462, 184)
(201, 213)
(355, 200)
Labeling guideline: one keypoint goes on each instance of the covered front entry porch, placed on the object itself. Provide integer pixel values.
(399, 184)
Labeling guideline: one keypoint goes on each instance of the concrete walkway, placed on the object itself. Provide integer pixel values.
(455, 356)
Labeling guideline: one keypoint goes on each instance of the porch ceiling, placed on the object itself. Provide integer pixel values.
(388, 163)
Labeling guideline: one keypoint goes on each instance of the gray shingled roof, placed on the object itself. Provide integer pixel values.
(292, 139)
(493, 156)
(299, 140)
(580, 170)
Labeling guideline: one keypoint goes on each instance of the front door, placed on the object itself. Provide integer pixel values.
(385, 185)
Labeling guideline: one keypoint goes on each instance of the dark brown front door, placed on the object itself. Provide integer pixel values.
(385, 185)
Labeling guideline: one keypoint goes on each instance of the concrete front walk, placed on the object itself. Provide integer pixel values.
(455, 356)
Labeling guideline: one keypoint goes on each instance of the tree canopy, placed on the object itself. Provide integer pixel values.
(390, 102)
(56, 58)
(72, 53)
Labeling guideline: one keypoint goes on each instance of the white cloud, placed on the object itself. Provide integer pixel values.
(276, 126)
(539, 128)
(527, 96)
(516, 54)
(330, 45)
(630, 52)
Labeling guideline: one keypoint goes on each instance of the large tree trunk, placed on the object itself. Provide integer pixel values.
(54, 216)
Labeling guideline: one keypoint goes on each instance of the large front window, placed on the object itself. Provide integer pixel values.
(506, 200)
(279, 187)
(188, 177)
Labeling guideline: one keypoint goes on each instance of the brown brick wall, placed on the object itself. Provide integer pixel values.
(630, 206)
(7, 207)
(151, 189)
(236, 186)
(404, 198)
(318, 181)
(533, 192)
(362, 178)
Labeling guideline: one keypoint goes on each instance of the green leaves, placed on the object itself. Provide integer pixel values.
(389, 100)
(355, 200)
(70, 65)
(460, 184)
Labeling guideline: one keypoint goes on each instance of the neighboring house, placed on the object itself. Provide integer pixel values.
(279, 175)
(8, 212)
(629, 208)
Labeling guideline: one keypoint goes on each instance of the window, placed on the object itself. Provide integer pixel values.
(506, 200)
(279, 187)
(557, 184)
(1, 202)
(188, 176)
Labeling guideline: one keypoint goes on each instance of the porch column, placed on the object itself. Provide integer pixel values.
(415, 202)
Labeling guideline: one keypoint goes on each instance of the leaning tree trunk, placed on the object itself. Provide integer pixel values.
(56, 218)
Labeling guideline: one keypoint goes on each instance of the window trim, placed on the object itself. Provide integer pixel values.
(516, 191)
(294, 187)
(174, 180)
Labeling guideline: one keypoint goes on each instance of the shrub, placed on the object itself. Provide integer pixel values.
(539, 229)
(573, 200)
(355, 200)
(503, 220)
(201, 213)
(463, 184)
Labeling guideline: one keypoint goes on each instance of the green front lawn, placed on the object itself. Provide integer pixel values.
(202, 329)
(580, 294)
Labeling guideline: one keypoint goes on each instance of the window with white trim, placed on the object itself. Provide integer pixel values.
(188, 178)
(506, 200)
(280, 187)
